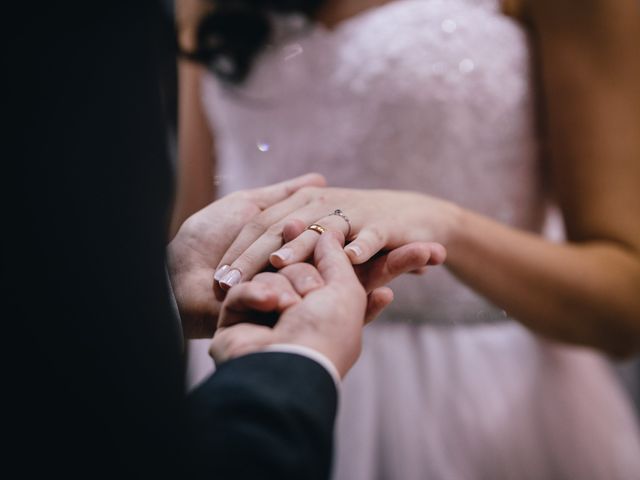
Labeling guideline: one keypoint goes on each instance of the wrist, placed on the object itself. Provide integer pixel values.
(453, 217)
(458, 234)
(442, 219)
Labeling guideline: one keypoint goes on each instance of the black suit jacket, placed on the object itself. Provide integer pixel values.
(93, 368)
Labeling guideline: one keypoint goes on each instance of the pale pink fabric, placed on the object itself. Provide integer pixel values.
(434, 96)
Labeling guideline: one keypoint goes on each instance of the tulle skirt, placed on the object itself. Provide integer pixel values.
(487, 401)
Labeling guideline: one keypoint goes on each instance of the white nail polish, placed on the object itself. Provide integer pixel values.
(220, 273)
(231, 278)
(357, 251)
(284, 254)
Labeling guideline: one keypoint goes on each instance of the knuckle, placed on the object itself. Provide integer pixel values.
(240, 196)
(255, 226)
(299, 270)
(376, 234)
(275, 230)
(264, 277)
(306, 269)
(272, 281)
(236, 345)
(248, 210)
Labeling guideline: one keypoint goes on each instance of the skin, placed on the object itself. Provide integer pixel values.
(585, 291)
(196, 250)
(325, 314)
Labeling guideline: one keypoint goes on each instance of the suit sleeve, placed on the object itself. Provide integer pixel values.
(262, 416)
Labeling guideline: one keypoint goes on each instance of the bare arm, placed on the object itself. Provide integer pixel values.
(588, 290)
(195, 173)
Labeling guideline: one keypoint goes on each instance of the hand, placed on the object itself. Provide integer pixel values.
(379, 220)
(195, 252)
(323, 309)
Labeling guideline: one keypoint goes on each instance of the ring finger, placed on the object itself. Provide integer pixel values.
(301, 248)
(255, 257)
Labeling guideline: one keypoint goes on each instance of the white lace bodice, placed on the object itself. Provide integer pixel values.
(426, 95)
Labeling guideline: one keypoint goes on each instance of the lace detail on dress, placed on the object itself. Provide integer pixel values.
(425, 95)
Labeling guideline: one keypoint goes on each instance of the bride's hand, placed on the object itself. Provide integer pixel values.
(194, 253)
(374, 221)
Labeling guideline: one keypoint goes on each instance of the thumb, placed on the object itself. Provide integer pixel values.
(377, 301)
(272, 194)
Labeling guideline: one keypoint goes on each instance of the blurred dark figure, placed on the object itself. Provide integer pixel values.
(93, 370)
(85, 254)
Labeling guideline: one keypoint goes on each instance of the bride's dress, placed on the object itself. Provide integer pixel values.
(435, 96)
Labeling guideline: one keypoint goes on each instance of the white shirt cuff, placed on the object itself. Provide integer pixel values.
(309, 353)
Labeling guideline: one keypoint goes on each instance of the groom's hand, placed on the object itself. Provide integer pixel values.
(323, 308)
(203, 238)
(196, 250)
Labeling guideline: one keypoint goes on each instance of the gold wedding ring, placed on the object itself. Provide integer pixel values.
(317, 228)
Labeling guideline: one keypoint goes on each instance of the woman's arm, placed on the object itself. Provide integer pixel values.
(195, 172)
(586, 291)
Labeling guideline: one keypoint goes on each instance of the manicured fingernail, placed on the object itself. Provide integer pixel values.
(284, 254)
(220, 273)
(355, 249)
(231, 278)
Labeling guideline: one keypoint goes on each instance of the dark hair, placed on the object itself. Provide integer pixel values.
(235, 31)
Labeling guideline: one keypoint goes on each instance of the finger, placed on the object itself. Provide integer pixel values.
(302, 247)
(304, 277)
(255, 256)
(246, 298)
(438, 257)
(419, 271)
(438, 253)
(265, 197)
(241, 339)
(332, 262)
(292, 229)
(265, 222)
(405, 259)
(377, 301)
(367, 243)
(281, 285)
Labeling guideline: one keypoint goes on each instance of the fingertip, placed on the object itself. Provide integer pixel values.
(385, 295)
(231, 278)
(438, 254)
(378, 300)
(316, 179)
(307, 180)
(355, 253)
(281, 258)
